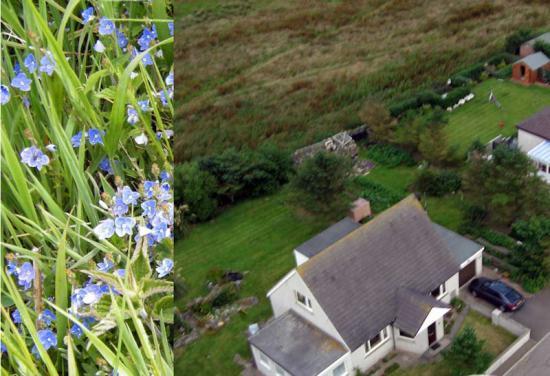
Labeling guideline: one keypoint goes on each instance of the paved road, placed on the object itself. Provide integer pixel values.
(535, 314)
(535, 363)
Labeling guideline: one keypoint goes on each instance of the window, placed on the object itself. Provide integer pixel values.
(264, 360)
(303, 300)
(376, 340)
(440, 290)
(404, 334)
(340, 370)
(542, 167)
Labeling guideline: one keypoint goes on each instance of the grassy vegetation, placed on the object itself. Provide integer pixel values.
(256, 237)
(496, 341)
(295, 71)
(481, 120)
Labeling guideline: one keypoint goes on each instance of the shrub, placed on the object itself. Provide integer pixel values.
(500, 58)
(504, 73)
(533, 230)
(458, 304)
(497, 238)
(379, 196)
(467, 355)
(472, 72)
(227, 295)
(542, 46)
(458, 81)
(392, 369)
(389, 155)
(516, 39)
(437, 183)
(455, 95)
(403, 106)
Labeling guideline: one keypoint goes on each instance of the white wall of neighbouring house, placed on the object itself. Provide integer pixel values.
(363, 360)
(266, 365)
(451, 285)
(527, 141)
(346, 359)
(283, 298)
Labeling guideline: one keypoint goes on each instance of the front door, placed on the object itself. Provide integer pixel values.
(432, 334)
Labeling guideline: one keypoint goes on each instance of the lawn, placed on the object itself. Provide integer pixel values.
(496, 341)
(256, 237)
(480, 119)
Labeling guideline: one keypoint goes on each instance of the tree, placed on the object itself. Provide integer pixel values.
(506, 187)
(515, 40)
(467, 355)
(320, 182)
(380, 124)
(432, 142)
(197, 189)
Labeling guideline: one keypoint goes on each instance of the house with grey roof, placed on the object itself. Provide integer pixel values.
(361, 291)
(534, 140)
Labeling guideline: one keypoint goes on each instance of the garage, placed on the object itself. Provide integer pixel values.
(466, 273)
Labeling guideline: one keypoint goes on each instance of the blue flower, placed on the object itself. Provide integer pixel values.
(105, 229)
(25, 275)
(144, 105)
(171, 28)
(120, 272)
(91, 294)
(165, 176)
(119, 207)
(170, 79)
(95, 136)
(33, 157)
(21, 82)
(147, 59)
(47, 338)
(12, 267)
(76, 331)
(3, 348)
(165, 267)
(105, 165)
(121, 38)
(129, 197)
(26, 101)
(47, 64)
(106, 26)
(47, 317)
(99, 46)
(4, 94)
(149, 188)
(30, 63)
(77, 139)
(132, 114)
(124, 225)
(167, 133)
(87, 14)
(149, 208)
(105, 266)
(146, 38)
(16, 68)
(16, 317)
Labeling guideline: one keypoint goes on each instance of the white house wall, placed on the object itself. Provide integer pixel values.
(527, 141)
(345, 359)
(419, 344)
(451, 285)
(362, 361)
(283, 298)
(265, 369)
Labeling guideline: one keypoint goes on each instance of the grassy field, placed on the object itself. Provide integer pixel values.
(496, 341)
(256, 237)
(481, 120)
(295, 71)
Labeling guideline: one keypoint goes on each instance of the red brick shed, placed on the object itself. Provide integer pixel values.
(531, 68)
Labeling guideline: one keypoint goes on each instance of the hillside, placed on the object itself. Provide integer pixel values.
(294, 71)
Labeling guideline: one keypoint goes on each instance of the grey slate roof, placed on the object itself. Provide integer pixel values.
(357, 278)
(413, 309)
(297, 346)
(544, 38)
(328, 237)
(535, 61)
(538, 124)
(461, 247)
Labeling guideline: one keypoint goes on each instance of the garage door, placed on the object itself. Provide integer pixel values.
(466, 273)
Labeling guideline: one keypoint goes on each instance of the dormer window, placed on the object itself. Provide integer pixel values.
(303, 300)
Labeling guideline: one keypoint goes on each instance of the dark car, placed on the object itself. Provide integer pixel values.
(497, 292)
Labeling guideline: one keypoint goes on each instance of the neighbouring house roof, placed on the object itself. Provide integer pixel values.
(356, 279)
(413, 308)
(461, 247)
(328, 237)
(298, 346)
(541, 152)
(543, 37)
(538, 124)
(535, 61)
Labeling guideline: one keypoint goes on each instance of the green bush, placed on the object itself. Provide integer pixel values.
(389, 155)
(403, 106)
(503, 57)
(457, 304)
(437, 183)
(473, 72)
(455, 95)
(467, 354)
(227, 295)
(497, 238)
(504, 73)
(515, 40)
(458, 81)
(391, 369)
(379, 196)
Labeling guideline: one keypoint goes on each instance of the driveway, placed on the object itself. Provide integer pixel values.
(535, 314)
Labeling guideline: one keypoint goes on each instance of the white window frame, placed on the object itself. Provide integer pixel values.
(384, 337)
(307, 305)
(442, 290)
(279, 371)
(343, 364)
(406, 338)
(264, 360)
